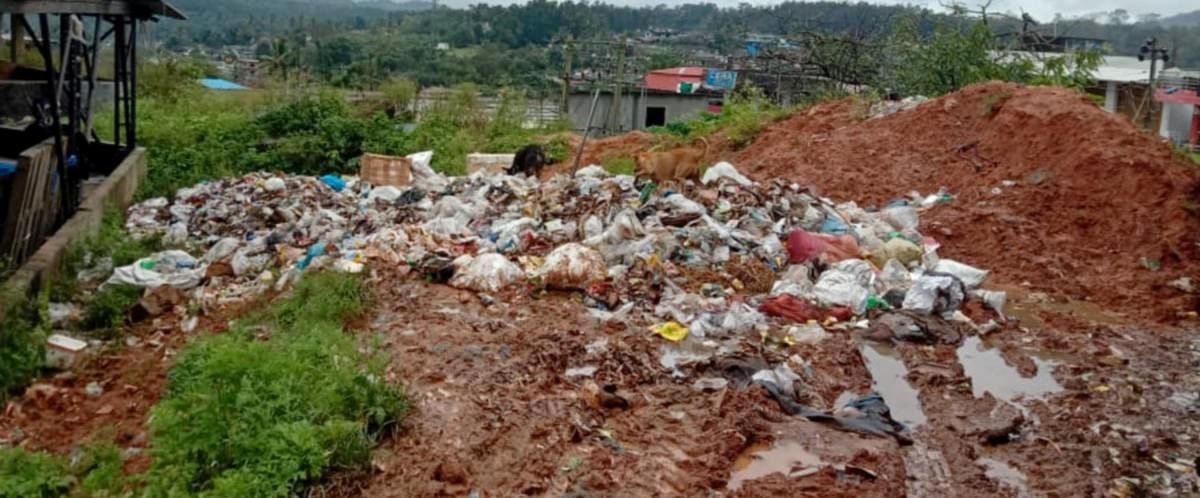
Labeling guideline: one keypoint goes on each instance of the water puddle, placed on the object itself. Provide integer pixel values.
(890, 379)
(1006, 476)
(763, 459)
(1029, 313)
(990, 373)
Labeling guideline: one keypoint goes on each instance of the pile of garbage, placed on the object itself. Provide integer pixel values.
(629, 246)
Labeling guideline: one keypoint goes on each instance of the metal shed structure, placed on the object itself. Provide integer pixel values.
(55, 48)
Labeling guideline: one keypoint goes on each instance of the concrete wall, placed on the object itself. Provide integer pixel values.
(633, 110)
(118, 189)
(1176, 122)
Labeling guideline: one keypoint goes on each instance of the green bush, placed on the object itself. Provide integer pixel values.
(33, 475)
(107, 310)
(621, 165)
(22, 344)
(102, 471)
(246, 417)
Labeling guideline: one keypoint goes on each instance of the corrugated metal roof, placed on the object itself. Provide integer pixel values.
(668, 79)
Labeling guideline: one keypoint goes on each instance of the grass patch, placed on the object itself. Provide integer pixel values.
(620, 165)
(33, 475)
(110, 240)
(248, 417)
(96, 473)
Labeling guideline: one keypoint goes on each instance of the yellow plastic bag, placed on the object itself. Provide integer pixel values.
(671, 331)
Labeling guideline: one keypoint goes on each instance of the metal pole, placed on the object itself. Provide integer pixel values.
(563, 104)
(614, 114)
(131, 123)
(1150, 90)
(586, 129)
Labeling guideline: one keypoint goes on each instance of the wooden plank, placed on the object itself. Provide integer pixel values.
(23, 230)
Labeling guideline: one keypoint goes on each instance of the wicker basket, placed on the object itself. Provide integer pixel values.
(381, 170)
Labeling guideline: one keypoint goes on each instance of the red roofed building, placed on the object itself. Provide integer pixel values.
(670, 79)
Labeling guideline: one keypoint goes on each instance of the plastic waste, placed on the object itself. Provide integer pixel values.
(902, 218)
(334, 182)
(386, 193)
(224, 248)
(679, 204)
(175, 268)
(573, 266)
(274, 184)
(969, 275)
(726, 171)
(782, 377)
(423, 175)
(61, 312)
(897, 249)
(834, 226)
(809, 333)
(591, 171)
(803, 247)
(801, 310)
(936, 293)
(486, 273)
(993, 299)
(843, 287)
(671, 331)
(895, 276)
(101, 268)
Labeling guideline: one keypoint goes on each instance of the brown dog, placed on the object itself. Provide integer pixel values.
(676, 164)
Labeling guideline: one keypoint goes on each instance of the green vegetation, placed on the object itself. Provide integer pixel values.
(248, 417)
(952, 57)
(107, 309)
(620, 165)
(33, 475)
(745, 113)
(96, 473)
(22, 344)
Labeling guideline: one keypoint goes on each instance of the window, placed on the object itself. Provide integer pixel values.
(656, 116)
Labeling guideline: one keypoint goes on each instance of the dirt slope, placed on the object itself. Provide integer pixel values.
(1052, 191)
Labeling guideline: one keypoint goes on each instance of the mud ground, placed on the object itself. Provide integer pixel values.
(1092, 388)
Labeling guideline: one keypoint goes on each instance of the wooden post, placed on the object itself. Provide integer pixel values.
(563, 105)
(586, 129)
(614, 113)
(18, 38)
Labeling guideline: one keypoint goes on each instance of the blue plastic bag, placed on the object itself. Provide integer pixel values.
(335, 182)
(832, 225)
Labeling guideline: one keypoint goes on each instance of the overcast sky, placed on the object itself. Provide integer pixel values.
(1042, 10)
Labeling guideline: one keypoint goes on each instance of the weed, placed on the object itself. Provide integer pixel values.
(22, 344)
(620, 165)
(245, 417)
(107, 310)
(100, 470)
(33, 475)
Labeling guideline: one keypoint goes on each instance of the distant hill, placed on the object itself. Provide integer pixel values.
(408, 6)
(1186, 19)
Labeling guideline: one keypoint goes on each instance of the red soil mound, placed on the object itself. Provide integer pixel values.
(1085, 203)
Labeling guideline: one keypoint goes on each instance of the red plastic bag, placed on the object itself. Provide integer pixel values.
(798, 310)
(803, 247)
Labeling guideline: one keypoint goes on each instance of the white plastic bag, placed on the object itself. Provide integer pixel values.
(838, 287)
(486, 273)
(386, 193)
(591, 171)
(971, 277)
(175, 268)
(895, 276)
(678, 204)
(934, 294)
(221, 250)
(423, 175)
(724, 170)
(573, 266)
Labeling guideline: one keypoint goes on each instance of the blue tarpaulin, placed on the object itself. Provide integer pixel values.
(7, 168)
(220, 84)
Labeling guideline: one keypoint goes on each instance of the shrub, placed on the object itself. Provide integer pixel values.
(107, 310)
(22, 344)
(33, 475)
(245, 417)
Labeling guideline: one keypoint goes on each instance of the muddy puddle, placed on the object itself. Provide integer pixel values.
(989, 372)
(1029, 314)
(890, 379)
(789, 458)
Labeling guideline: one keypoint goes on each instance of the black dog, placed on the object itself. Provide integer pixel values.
(529, 160)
